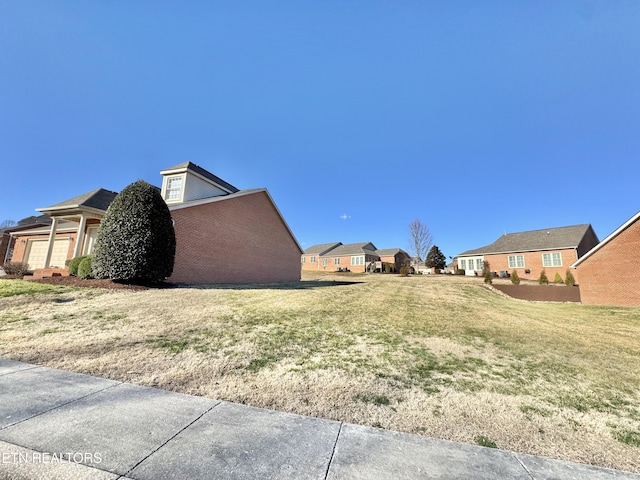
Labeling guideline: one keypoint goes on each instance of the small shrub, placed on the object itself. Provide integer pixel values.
(557, 278)
(515, 279)
(405, 270)
(486, 272)
(19, 269)
(569, 280)
(85, 269)
(543, 280)
(73, 264)
(460, 271)
(387, 268)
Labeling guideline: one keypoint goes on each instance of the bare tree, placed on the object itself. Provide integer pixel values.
(7, 224)
(420, 239)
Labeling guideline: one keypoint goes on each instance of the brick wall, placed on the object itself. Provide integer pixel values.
(609, 276)
(237, 240)
(533, 262)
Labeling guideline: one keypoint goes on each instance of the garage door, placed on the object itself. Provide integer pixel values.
(37, 250)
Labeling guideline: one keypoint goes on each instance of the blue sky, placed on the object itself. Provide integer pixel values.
(478, 118)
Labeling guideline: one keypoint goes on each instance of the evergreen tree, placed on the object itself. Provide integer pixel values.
(515, 279)
(543, 280)
(569, 280)
(136, 241)
(436, 259)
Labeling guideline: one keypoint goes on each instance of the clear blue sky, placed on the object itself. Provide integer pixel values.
(477, 117)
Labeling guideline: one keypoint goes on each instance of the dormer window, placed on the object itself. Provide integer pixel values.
(174, 188)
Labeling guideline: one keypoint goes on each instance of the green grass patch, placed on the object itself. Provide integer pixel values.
(485, 442)
(377, 400)
(10, 288)
(628, 437)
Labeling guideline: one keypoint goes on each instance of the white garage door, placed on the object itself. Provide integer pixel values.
(37, 250)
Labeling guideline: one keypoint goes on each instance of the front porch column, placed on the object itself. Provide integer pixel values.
(52, 237)
(77, 251)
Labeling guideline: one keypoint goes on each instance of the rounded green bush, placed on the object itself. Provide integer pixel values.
(136, 241)
(73, 264)
(84, 269)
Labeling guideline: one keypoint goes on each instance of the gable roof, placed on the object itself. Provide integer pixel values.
(322, 248)
(183, 167)
(534, 240)
(613, 235)
(387, 252)
(353, 249)
(98, 199)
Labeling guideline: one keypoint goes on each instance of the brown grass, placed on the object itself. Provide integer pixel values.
(436, 355)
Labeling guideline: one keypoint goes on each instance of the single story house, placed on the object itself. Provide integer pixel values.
(528, 253)
(354, 257)
(223, 234)
(605, 276)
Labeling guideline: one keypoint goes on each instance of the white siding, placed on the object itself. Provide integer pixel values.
(197, 188)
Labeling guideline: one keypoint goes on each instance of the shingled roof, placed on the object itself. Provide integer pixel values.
(534, 240)
(353, 249)
(321, 248)
(388, 252)
(99, 199)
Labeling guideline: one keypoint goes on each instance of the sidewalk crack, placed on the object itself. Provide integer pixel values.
(171, 438)
(333, 451)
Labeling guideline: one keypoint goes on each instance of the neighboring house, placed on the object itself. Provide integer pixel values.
(551, 249)
(354, 257)
(606, 274)
(310, 259)
(223, 234)
(395, 257)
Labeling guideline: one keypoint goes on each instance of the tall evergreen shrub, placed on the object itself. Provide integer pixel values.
(543, 280)
(136, 241)
(569, 280)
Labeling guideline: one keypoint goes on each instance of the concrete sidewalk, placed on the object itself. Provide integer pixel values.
(57, 424)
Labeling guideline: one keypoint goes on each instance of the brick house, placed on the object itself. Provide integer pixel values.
(310, 259)
(528, 253)
(355, 257)
(605, 276)
(223, 234)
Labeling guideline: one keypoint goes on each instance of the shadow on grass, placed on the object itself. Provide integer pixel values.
(301, 285)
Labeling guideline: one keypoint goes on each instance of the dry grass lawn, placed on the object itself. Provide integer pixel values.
(436, 355)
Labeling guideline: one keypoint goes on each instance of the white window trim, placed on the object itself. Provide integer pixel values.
(171, 191)
(551, 263)
(515, 261)
(357, 260)
(336, 261)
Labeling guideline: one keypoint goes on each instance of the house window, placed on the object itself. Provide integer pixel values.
(325, 262)
(478, 264)
(174, 188)
(551, 259)
(312, 259)
(463, 264)
(516, 261)
(304, 259)
(357, 260)
(336, 261)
